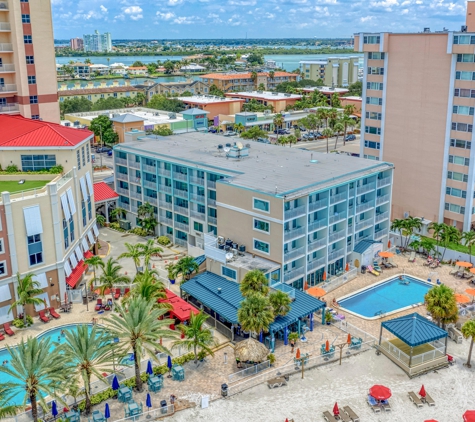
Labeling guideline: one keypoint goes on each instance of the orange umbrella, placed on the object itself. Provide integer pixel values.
(464, 264)
(472, 270)
(297, 355)
(385, 254)
(305, 286)
(347, 268)
(324, 275)
(470, 292)
(461, 298)
(348, 340)
(316, 291)
(327, 346)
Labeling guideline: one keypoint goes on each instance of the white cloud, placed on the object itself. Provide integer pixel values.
(165, 16)
(103, 8)
(385, 3)
(134, 12)
(269, 15)
(242, 2)
(366, 18)
(174, 2)
(188, 20)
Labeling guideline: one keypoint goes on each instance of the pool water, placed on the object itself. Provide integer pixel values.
(54, 335)
(388, 296)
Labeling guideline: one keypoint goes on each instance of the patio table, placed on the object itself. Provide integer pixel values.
(97, 416)
(124, 394)
(134, 408)
(72, 416)
(178, 373)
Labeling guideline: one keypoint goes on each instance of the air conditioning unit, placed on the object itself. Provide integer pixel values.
(172, 115)
(124, 224)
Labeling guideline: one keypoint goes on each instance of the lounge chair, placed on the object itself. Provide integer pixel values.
(454, 271)
(374, 404)
(415, 399)
(53, 313)
(429, 400)
(372, 270)
(412, 257)
(43, 316)
(385, 405)
(349, 411)
(329, 417)
(377, 267)
(117, 294)
(98, 305)
(8, 330)
(127, 290)
(343, 417)
(2, 337)
(390, 262)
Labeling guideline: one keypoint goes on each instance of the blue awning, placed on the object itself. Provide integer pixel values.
(414, 329)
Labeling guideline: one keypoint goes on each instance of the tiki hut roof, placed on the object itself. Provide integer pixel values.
(251, 350)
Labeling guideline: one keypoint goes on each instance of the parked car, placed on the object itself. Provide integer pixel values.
(263, 140)
(230, 133)
(308, 136)
(100, 150)
(212, 130)
(109, 153)
(302, 129)
(350, 138)
(282, 132)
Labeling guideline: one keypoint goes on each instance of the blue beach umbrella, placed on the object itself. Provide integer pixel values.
(149, 401)
(115, 383)
(170, 365)
(107, 412)
(149, 368)
(54, 409)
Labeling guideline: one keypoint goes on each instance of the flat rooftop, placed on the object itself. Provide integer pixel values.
(13, 186)
(265, 95)
(208, 99)
(247, 262)
(149, 115)
(270, 169)
(325, 89)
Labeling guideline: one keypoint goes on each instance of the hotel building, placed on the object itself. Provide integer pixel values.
(27, 61)
(228, 82)
(334, 71)
(418, 113)
(48, 230)
(97, 42)
(257, 197)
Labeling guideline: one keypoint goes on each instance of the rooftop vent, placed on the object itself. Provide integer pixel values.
(463, 28)
(426, 29)
(219, 290)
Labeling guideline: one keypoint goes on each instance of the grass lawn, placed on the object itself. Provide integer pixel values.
(14, 186)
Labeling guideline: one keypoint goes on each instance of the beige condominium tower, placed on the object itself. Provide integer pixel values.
(27, 63)
(418, 113)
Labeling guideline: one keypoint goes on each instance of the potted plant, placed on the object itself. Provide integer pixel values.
(328, 317)
(171, 268)
(271, 358)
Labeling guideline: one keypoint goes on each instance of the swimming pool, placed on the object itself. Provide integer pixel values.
(53, 334)
(386, 297)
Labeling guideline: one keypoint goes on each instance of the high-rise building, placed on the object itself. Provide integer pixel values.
(97, 42)
(27, 62)
(418, 113)
(76, 44)
(334, 71)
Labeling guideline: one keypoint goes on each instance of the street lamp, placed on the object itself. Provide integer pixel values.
(115, 340)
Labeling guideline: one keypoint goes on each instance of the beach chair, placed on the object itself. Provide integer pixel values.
(349, 411)
(329, 417)
(53, 313)
(2, 337)
(455, 335)
(372, 270)
(127, 290)
(374, 404)
(454, 272)
(276, 382)
(415, 399)
(377, 267)
(412, 257)
(98, 306)
(8, 330)
(429, 400)
(385, 405)
(43, 316)
(343, 417)
(117, 294)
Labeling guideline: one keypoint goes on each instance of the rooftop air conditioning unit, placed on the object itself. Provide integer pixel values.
(275, 93)
(266, 112)
(67, 124)
(463, 28)
(260, 92)
(172, 115)
(287, 95)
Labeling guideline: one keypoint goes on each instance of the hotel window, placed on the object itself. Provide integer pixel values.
(83, 209)
(372, 115)
(262, 226)
(261, 246)
(35, 249)
(459, 193)
(87, 153)
(261, 205)
(78, 156)
(375, 56)
(228, 272)
(462, 127)
(213, 229)
(371, 157)
(33, 99)
(457, 143)
(35, 117)
(467, 111)
(30, 60)
(198, 226)
(464, 39)
(459, 177)
(25, 18)
(465, 58)
(3, 268)
(371, 144)
(376, 70)
(31, 80)
(465, 76)
(27, 39)
(454, 208)
(83, 157)
(374, 100)
(462, 161)
(66, 234)
(372, 130)
(37, 162)
(374, 85)
(467, 93)
(1, 246)
(71, 229)
(371, 39)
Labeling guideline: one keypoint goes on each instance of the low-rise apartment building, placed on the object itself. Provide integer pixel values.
(47, 230)
(258, 198)
(213, 104)
(174, 88)
(228, 82)
(279, 101)
(334, 71)
(94, 94)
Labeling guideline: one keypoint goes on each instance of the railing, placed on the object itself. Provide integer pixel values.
(316, 263)
(363, 224)
(153, 414)
(317, 205)
(149, 169)
(290, 275)
(212, 202)
(3, 6)
(294, 233)
(383, 182)
(212, 220)
(5, 26)
(336, 254)
(136, 195)
(380, 233)
(316, 244)
(337, 217)
(8, 88)
(165, 220)
(124, 205)
(333, 282)
(121, 161)
(181, 193)
(211, 184)
(197, 181)
(198, 215)
(289, 255)
(181, 210)
(134, 164)
(166, 205)
(336, 235)
(182, 226)
(163, 188)
(151, 200)
(181, 242)
(122, 191)
(366, 188)
(381, 199)
(253, 370)
(382, 216)
(295, 212)
(6, 47)
(364, 207)
(337, 198)
(134, 208)
(351, 193)
(149, 184)
(164, 172)
(314, 225)
(121, 176)
(198, 198)
(9, 108)
(180, 176)
(7, 68)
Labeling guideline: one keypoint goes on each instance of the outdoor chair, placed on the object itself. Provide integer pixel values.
(117, 294)
(376, 408)
(412, 257)
(53, 313)
(329, 417)
(8, 330)
(372, 270)
(43, 316)
(342, 416)
(377, 267)
(385, 405)
(2, 337)
(98, 306)
(429, 400)
(349, 411)
(415, 399)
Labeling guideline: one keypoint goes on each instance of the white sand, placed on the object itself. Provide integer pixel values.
(305, 400)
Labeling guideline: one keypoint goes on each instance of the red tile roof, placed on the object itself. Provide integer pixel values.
(76, 275)
(103, 192)
(226, 76)
(16, 131)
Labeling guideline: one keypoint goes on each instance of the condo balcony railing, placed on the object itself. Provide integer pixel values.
(383, 182)
(316, 263)
(149, 169)
(150, 184)
(294, 253)
(6, 47)
(382, 199)
(337, 198)
(364, 207)
(337, 217)
(151, 200)
(366, 188)
(293, 233)
(121, 176)
(181, 210)
(211, 184)
(290, 275)
(165, 205)
(7, 67)
(163, 188)
(121, 161)
(165, 220)
(313, 206)
(164, 172)
(122, 191)
(295, 212)
(124, 205)
(136, 195)
(7, 88)
(9, 108)
(379, 233)
(336, 235)
(318, 224)
(134, 164)
(5, 26)
(197, 181)
(198, 215)
(336, 254)
(180, 193)
(180, 176)
(212, 220)
(212, 202)
(182, 226)
(316, 244)
(363, 224)
(181, 242)
(382, 216)
(198, 198)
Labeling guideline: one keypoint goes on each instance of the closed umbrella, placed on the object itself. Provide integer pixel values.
(149, 368)
(54, 409)
(327, 346)
(336, 411)
(297, 355)
(347, 268)
(148, 402)
(169, 365)
(380, 392)
(469, 416)
(107, 412)
(305, 286)
(115, 383)
(324, 276)
(348, 340)
(422, 392)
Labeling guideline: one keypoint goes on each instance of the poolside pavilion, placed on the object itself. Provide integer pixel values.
(221, 298)
(417, 347)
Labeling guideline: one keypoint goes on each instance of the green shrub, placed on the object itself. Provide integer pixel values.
(163, 240)
(139, 231)
(12, 168)
(18, 322)
(116, 226)
(271, 358)
(56, 169)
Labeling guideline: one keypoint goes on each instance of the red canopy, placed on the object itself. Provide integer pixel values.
(380, 392)
(422, 392)
(336, 411)
(76, 274)
(431, 420)
(181, 308)
(469, 416)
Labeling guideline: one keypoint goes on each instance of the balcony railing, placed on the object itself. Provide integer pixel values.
(198, 215)
(165, 220)
(134, 164)
(294, 233)
(336, 235)
(294, 253)
(316, 263)
(8, 88)
(316, 244)
(124, 205)
(336, 254)
(211, 184)
(315, 225)
(136, 195)
(197, 181)
(338, 216)
(149, 184)
(198, 198)
(6, 47)
(383, 182)
(181, 193)
(166, 205)
(151, 200)
(182, 226)
(7, 68)
(212, 202)
(378, 234)
(134, 208)
(212, 220)
(382, 199)
(295, 212)
(364, 207)
(317, 205)
(351, 193)
(149, 169)
(121, 176)
(363, 224)
(290, 275)
(122, 191)
(181, 210)
(9, 108)
(121, 161)
(163, 188)
(337, 198)
(366, 188)
(164, 172)
(3, 6)
(181, 242)
(382, 216)
(180, 176)
(5, 26)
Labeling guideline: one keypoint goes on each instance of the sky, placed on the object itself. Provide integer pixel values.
(175, 19)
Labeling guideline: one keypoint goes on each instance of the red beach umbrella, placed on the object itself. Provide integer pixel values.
(431, 420)
(469, 416)
(327, 346)
(422, 393)
(336, 411)
(380, 392)
(297, 355)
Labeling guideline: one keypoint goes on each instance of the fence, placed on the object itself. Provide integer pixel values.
(254, 369)
(437, 352)
(354, 331)
(219, 326)
(335, 282)
(158, 413)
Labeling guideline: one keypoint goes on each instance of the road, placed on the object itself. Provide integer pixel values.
(321, 144)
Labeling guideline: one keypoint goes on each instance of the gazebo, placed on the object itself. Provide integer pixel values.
(104, 196)
(417, 347)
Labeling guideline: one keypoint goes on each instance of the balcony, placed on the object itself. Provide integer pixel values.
(124, 205)
(315, 225)
(136, 195)
(338, 216)
(166, 189)
(211, 184)
(340, 197)
(8, 88)
(5, 27)
(290, 275)
(294, 253)
(363, 224)
(181, 210)
(149, 184)
(212, 220)
(382, 199)
(316, 263)
(212, 202)
(151, 200)
(180, 176)
(197, 181)
(313, 206)
(165, 205)
(181, 242)
(182, 226)
(383, 182)
(164, 172)
(366, 188)
(6, 48)
(3, 6)
(316, 244)
(363, 207)
(121, 176)
(295, 212)
(351, 193)
(122, 191)
(7, 68)
(149, 169)
(198, 198)
(198, 215)
(294, 233)
(165, 220)
(180, 193)
(336, 254)
(121, 161)
(134, 164)
(379, 233)
(340, 234)
(382, 216)
(9, 108)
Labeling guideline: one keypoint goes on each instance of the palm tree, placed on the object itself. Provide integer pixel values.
(196, 336)
(238, 127)
(280, 302)
(346, 121)
(271, 75)
(278, 123)
(449, 235)
(90, 353)
(397, 226)
(111, 276)
(134, 252)
(254, 282)
(468, 331)
(468, 239)
(291, 139)
(186, 266)
(95, 262)
(349, 109)
(255, 314)
(37, 372)
(138, 325)
(440, 302)
(408, 226)
(6, 407)
(27, 289)
(100, 219)
(283, 140)
(338, 128)
(254, 76)
(437, 230)
(118, 213)
(149, 287)
(148, 250)
(327, 133)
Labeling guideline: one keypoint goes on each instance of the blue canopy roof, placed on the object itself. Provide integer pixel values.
(414, 329)
(200, 259)
(204, 287)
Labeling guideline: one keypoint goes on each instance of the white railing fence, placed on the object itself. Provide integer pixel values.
(253, 370)
(153, 414)
(335, 282)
